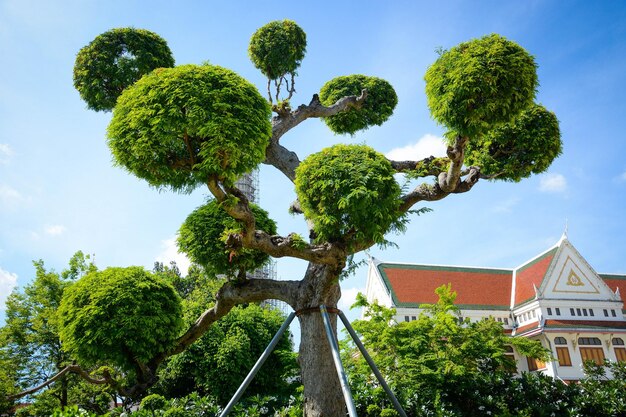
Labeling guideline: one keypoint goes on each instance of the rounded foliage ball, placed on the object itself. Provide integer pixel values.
(481, 83)
(527, 145)
(378, 106)
(118, 314)
(202, 237)
(349, 189)
(177, 127)
(114, 60)
(153, 402)
(278, 48)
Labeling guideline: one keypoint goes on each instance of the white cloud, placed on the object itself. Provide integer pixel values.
(5, 153)
(506, 206)
(170, 253)
(10, 197)
(55, 229)
(427, 145)
(8, 281)
(348, 297)
(552, 183)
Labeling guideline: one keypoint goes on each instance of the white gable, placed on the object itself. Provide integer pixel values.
(571, 277)
(375, 289)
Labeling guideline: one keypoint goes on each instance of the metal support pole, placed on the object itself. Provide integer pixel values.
(372, 365)
(258, 365)
(343, 379)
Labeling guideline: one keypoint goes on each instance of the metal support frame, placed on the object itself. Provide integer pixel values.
(258, 365)
(371, 363)
(343, 379)
(334, 346)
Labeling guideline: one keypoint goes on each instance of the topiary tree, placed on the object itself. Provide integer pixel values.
(120, 316)
(184, 127)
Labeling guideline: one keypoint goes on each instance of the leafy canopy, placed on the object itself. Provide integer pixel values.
(119, 316)
(527, 145)
(114, 60)
(479, 84)
(278, 48)
(349, 189)
(176, 127)
(202, 237)
(377, 108)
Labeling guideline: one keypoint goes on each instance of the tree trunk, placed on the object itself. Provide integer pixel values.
(322, 391)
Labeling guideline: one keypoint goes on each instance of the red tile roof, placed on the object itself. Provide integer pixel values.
(531, 273)
(585, 324)
(526, 327)
(412, 285)
(614, 282)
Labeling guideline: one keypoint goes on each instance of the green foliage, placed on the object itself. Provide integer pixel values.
(512, 151)
(119, 316)
(176, 412)
(72, 411)
(114, 60)
(437, 363)
(377, 108)
(479, 84)
(349, 189)
(153, 402)
(203, 233)
(602, 393)
(278, 48)
(178, 127)
(219, 361)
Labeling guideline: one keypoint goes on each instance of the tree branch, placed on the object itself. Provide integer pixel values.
(75, 369)
(430, 166)
(228, 296)
(433, 192)
(285, 160)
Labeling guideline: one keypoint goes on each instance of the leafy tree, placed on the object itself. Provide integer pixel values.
(602, 392)
(183, 127)
(437, 362)
(29, 340)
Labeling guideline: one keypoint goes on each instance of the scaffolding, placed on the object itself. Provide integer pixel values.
(249, 186)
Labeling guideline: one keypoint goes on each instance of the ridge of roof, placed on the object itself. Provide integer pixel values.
(613, 276)
(406, 265)
(552, 250)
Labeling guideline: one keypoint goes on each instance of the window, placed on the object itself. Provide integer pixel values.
(606, 313)
(618, 341)
(506, 321)
(558, 311)
(572, 312)
(413, 318)
(560, 341)
(595, 355)
(593, 341)
(510, 356)
(562, 353)
(613, 313)
(585, 312)
(620, 354)
(549, 311)
(533, 313)
(578, 312)
(591, 312)
(534, 364)
(406, 318)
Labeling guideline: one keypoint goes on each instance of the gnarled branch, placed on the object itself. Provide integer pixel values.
(75, 369)
(228, 296)
(282, 158)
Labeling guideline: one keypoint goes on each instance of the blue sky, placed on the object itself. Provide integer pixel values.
(60, 193)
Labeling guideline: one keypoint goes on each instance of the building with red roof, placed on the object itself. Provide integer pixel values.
(556, 298)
